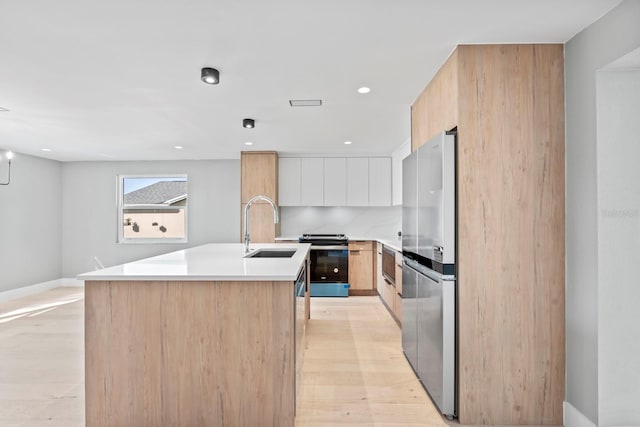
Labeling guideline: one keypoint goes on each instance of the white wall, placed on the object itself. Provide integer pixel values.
(30, 222)
(89, 210)
(618, 111)
(380, 222)
(614, 35)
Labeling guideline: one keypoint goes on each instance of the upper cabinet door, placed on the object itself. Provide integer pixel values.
(358, 181)
(290, 171)
(312, 182)
(259, 175)
(335, 182)
(380, 181)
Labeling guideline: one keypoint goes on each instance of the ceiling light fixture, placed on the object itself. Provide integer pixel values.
(9, 156)
(248, 123)
(210, 76)
(347, 143)
(305, 102)
(248, 143)
(178, 147)
(364, 89)
(45, 149)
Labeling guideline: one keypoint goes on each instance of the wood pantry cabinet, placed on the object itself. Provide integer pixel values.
(259, 177)
(361, 268)
(507, 103)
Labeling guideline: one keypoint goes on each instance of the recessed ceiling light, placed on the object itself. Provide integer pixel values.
(364, 89)
(248, 143)
(248, 123)
(4, 110)
(178, 147)
(305, 102)
(347, 143)
(46, 149)
(210, 75)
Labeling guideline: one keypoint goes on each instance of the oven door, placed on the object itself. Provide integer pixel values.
(329, 264)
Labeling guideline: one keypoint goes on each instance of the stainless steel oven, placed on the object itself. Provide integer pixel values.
(389, 265)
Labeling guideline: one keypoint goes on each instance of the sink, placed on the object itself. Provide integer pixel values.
(272, 253)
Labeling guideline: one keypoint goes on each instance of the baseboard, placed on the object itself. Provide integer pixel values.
(362, 292)
(72, 282)
(574, 418)
(39, 287)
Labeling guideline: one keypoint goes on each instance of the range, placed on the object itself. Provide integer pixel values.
(329, 270)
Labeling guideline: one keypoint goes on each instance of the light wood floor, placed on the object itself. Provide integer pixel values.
(354, 372)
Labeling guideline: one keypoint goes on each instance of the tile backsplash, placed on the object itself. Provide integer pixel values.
(374, 222)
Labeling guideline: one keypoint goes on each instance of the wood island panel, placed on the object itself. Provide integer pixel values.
(189, 353)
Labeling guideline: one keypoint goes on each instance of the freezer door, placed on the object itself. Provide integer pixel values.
(409, 315)
(409, 203)
(436, 340)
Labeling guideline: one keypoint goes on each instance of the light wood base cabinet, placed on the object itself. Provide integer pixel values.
(361, 267)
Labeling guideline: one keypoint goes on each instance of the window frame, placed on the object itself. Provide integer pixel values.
(120, 207)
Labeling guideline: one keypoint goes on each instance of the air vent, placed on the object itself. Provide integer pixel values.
(305, 102)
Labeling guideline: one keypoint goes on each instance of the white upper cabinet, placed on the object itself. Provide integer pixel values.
(289, 180)
(358, 181)
(380, 181)
(312, 182)
(397, 157)
(335, 181)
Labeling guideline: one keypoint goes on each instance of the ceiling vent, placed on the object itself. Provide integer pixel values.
(305, 102)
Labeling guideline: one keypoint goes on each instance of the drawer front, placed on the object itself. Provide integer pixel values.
(360, 245)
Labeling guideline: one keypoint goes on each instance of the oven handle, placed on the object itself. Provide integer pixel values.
(325, 248)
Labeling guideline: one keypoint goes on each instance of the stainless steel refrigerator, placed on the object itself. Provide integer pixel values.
(428, 274)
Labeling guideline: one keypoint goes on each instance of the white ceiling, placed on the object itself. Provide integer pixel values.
(120, 80)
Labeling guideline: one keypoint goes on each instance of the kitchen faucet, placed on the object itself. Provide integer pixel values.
(246, 217)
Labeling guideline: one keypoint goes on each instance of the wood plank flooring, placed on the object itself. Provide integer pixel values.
(354, 373)
(42, 360)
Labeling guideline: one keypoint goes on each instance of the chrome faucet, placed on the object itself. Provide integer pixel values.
(246, 217)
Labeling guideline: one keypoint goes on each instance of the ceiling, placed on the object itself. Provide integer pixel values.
(120, 80)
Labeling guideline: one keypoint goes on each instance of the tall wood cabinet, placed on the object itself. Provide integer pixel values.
(507, 104)
(259, 177)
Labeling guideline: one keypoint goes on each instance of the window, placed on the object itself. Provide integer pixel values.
(152, 208)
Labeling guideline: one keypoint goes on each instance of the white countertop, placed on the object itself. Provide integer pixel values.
(215, 261)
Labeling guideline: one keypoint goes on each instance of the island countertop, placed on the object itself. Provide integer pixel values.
(211, 262)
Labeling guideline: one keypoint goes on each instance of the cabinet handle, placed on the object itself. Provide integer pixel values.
(356, 252)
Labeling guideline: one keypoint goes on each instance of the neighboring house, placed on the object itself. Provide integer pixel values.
(148, 213)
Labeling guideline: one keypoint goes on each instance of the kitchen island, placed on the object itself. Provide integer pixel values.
(199, 337)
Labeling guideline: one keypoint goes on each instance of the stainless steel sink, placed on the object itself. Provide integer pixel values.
(271, 253)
